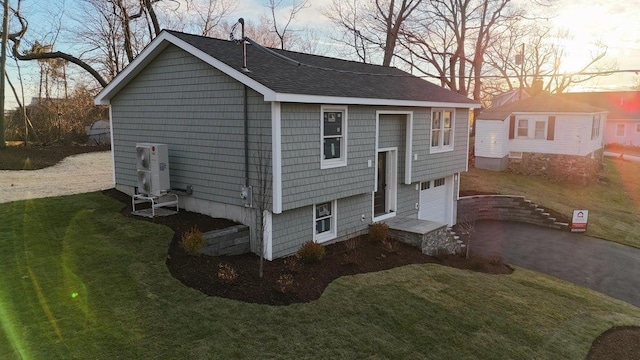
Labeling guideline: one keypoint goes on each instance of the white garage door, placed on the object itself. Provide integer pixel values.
(433, 200)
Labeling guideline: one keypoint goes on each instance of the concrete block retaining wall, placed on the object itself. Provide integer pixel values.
(234, 240)
(505, 208)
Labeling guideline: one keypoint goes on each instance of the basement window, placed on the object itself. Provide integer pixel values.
(515, 154)
(324, 218)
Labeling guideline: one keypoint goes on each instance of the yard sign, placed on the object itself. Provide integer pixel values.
(579, 221)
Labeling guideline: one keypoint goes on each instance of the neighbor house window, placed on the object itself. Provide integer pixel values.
(324, 218)
(523, 128)
(595, 127)
(442, 126)
(540, 127)
(333, 126)
(620, 130)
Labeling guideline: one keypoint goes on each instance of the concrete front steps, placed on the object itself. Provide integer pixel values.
(433, 238)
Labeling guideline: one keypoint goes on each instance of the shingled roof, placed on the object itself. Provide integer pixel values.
(316, 76)
(622, 105)
(543, 103)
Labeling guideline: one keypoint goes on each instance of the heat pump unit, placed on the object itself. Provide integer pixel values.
(153, 169)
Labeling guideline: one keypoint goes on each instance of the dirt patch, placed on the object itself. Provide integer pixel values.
(40, 157)
(617, 343)
(287, 280)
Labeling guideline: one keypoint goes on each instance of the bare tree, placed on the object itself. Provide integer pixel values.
(367, 26)
(450, 39)
(531, 56)
(282, 31)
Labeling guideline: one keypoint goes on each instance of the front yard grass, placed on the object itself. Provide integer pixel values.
(79, 280)
(613, 202)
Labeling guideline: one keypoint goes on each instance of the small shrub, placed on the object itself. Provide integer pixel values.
(292, 263)
(284, 283)
(378, 232)
(390, 245)
(352, 243)
(227, 274)
(192, 241)
(311, 252)
(495, 260)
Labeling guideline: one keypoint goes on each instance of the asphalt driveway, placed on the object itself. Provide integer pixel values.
(604, 266)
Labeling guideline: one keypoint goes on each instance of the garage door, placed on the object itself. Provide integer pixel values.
(433, 200)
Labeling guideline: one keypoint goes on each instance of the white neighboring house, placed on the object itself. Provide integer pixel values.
(623, 121)
(542, 135)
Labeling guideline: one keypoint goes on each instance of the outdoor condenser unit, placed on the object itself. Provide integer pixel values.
(153, 169)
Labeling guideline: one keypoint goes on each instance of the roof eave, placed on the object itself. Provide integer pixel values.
(319, 99)
(153, 49)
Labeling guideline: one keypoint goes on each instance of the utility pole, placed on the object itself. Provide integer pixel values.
(3, 66)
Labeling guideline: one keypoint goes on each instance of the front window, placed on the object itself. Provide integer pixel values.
(442, 125)
(523, 128)
(334, 137)
(620, 130)
(540, 126)
(324, 215)
(595, 127)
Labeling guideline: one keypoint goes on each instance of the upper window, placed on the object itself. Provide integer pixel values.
(540, 128)
(620, 130)
(442, 126)
(324, 218)
(595, 127)
(523, 128)
(333, 128)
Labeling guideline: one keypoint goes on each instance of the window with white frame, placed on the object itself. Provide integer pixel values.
(333, 125)
(540, 128)
(620, 130)
(442, 125)
(595, 127)
(515, 154)
(438, 182)
(523, 128)
(324, 219)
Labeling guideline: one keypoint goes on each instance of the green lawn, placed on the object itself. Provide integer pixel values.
(613, 204)
(78, 280)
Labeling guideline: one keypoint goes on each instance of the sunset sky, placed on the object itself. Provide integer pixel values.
(613, 23)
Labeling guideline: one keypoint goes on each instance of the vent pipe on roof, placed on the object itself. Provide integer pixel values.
(244, 47)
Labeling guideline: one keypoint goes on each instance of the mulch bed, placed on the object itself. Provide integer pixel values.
(310, 280)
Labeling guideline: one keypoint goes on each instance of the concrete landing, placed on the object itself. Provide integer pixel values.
(412, 225)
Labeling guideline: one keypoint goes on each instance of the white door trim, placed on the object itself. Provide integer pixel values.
(391, 195)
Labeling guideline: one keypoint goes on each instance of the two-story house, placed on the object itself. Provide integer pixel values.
(329, 145)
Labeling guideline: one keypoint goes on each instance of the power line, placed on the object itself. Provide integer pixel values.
(297, 63)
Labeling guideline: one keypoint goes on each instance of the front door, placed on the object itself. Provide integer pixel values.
(380, 196)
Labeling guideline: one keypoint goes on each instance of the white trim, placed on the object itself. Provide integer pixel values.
(276, 154)
(450, 182)
(165, 38)
(342, 161)
(113, 154)
(408, 153)
(267, 234)
(322, 99)
(331, 234)
(391, 195)
(155, 48)
(441, 147)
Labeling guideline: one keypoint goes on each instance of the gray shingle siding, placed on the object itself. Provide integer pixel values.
(303, 182)
(293, 228)
(198, 111)
(436, 165)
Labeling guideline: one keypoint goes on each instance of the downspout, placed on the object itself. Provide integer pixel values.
(246, 138)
